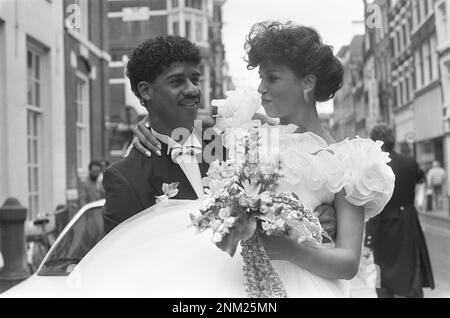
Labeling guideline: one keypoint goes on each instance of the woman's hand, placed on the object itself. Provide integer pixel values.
(144, 141)
(279, 248)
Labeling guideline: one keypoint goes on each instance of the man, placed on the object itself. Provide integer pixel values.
(395, 234)
(164, 75)
(436, 180)
(90, 190)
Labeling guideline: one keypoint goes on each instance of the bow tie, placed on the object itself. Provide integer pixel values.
(193, 151)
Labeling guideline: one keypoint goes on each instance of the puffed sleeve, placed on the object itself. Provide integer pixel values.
(367, 178)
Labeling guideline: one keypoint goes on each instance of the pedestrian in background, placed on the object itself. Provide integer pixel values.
(436, 181)
(89, 190)
(105, 165)
(395, 235)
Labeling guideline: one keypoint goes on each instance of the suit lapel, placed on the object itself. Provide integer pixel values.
(166, 171)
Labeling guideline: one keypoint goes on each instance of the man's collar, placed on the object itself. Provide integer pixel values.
(192, 140)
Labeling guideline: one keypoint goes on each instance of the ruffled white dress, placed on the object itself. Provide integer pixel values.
(156, 254)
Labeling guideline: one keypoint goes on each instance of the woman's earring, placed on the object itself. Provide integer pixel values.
(306, 96)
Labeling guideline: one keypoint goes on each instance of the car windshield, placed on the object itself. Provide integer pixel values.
(84, 234)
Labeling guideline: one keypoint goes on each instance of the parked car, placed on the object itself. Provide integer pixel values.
(80, 235)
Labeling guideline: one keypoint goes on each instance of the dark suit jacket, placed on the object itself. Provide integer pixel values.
(132, 184)
(395, 234)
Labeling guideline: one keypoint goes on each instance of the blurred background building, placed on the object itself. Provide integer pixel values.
(32, 104)
(402, 69)
(86, 58)
(349, 107)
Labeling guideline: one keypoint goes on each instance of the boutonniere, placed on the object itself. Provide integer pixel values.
(169, 191)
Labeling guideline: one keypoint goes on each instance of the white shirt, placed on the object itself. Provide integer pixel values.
(186, 162)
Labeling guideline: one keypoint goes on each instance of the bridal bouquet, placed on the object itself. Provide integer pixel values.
(241, 204)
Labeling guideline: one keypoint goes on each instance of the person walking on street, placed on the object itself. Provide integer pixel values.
(89, 189)
(436, 180)
(395, 235)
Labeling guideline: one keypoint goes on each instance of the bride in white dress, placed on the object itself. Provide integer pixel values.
(155, 254)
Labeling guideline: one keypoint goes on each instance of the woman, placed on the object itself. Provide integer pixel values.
(297, 70)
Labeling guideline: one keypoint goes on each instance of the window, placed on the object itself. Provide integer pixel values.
(426, 56)
(402, 93)
(419, 69)
(84, 234)
(418, 11)
(426, 9)
(82, 126)
(195, 4)
(176, 28)
(405, 35)
(392, 46)
(407, 98)
(415, 16)
(199, 31)
(188, 30)
(410, 87)
(84, 17)
(175, 4)
(443, 17)
(434, 58)
(398, 95)
(34, 123)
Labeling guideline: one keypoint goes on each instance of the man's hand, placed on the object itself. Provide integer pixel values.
(327, 218)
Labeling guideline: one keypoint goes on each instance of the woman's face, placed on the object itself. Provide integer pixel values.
(281, 91)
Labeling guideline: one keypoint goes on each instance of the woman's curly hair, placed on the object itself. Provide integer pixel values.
(152, 56)
(301, 49)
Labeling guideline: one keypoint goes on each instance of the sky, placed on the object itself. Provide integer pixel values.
(333, 19)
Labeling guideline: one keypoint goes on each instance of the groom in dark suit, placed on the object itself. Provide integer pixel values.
(164, 75)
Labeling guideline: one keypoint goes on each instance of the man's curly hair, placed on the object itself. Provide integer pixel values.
(301, 49)
(152, 56)
(385, 133)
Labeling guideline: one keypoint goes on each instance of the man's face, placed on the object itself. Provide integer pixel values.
(176, 96)
(94, 172)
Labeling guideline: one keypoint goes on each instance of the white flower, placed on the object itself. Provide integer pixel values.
(279, 223)
(224, 213)
(266, 226)
(217, 237)
(251, 189)
(229, 222)
(238, 108)
(169, 191)
(161, 199)
(215, 225)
